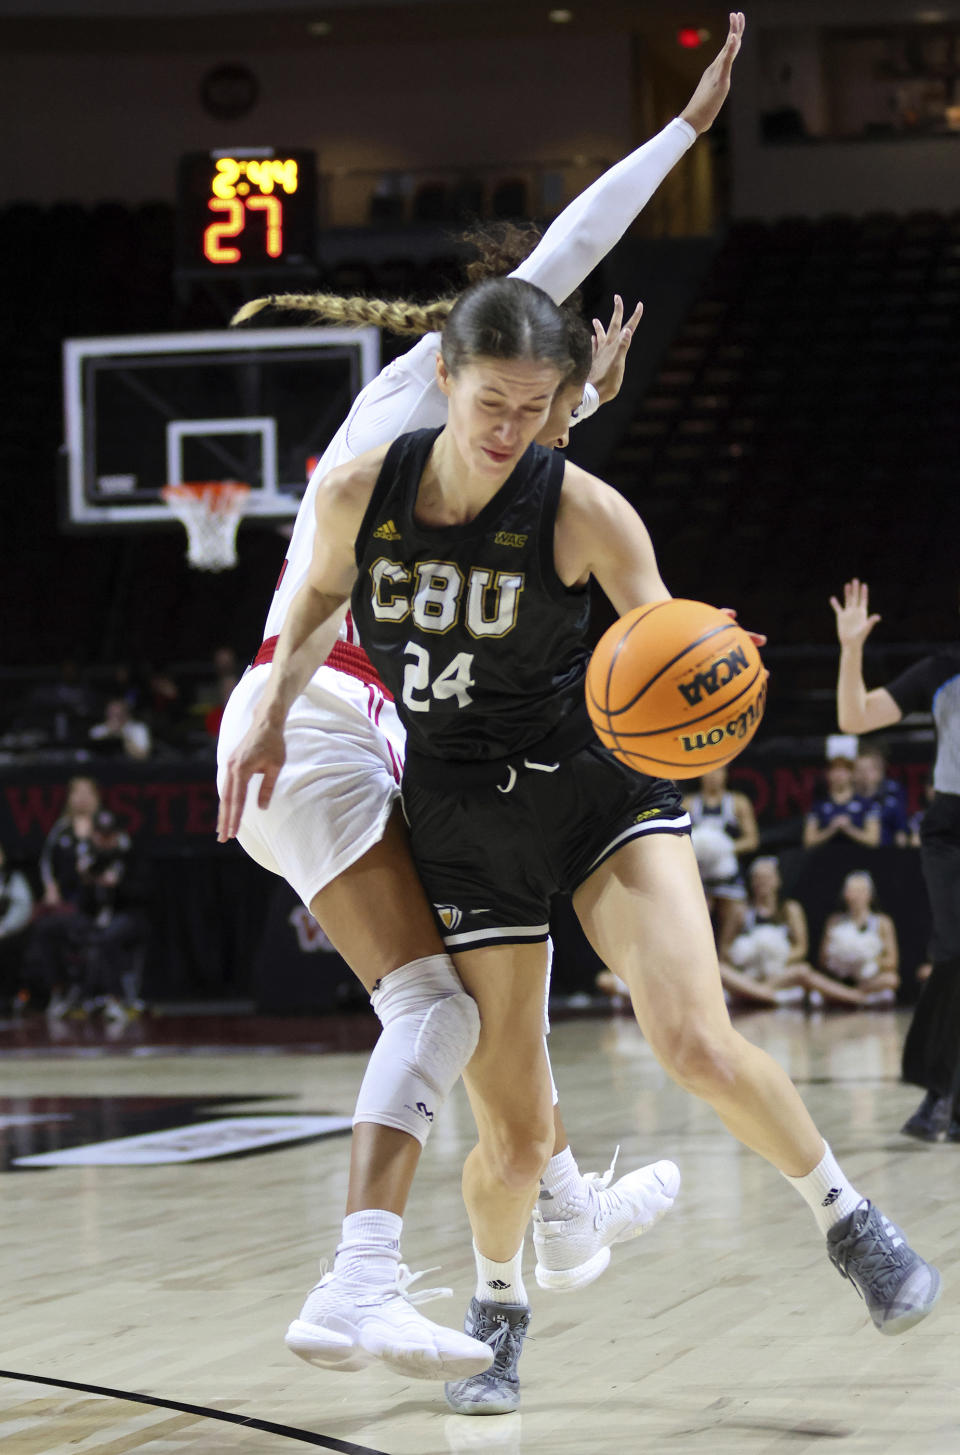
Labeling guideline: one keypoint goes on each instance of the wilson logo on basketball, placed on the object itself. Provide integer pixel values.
(739, 727)
(656, 652)
(723, 670)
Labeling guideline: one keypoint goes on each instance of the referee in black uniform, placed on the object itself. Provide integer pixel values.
(931, 1053)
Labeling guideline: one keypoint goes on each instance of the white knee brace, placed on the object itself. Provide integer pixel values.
(430, 1031)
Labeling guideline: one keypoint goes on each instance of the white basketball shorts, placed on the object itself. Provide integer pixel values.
(339, 783)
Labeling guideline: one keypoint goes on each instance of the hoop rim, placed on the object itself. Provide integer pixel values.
(210, 511)
(209, 492)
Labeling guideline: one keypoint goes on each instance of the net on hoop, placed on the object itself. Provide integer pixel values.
(211, 511)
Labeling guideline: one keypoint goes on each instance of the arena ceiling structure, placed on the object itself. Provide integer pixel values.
(176, 24)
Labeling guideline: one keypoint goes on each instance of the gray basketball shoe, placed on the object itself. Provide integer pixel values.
(897, 1285)
(501, 1326)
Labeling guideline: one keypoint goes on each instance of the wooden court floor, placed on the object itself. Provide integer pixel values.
(726, 1330)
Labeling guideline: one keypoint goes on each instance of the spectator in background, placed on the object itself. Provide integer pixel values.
(843, 813)
(120, 734)
(59, 873)
(16, 908)
(48, 961)
(763, 951)
(871, 783)
(764, 961)
(110, 929)
(724, 826)
(84, 946)
(859, 945)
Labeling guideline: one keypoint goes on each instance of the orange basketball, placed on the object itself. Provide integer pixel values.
(675, 688)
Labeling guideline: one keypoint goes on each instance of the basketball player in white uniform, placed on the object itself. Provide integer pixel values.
(334, 831)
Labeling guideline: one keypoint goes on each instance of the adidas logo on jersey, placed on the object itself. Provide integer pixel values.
(508, 538)
(387, 532)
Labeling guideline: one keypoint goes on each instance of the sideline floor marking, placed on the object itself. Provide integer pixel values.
(289, 1432)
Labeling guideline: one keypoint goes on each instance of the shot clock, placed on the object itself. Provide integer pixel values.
(246, 211)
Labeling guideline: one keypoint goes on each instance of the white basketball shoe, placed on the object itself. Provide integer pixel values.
(346, 1325)
(573, 1251)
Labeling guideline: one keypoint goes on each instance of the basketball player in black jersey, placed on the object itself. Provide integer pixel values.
(931, 1052)
(467, 553)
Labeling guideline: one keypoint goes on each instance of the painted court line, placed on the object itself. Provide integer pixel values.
(288, 1432)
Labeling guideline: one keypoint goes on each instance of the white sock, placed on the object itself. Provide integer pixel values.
(500, 1282)
(827, 1192)
(369, 1250)
(563, 1192)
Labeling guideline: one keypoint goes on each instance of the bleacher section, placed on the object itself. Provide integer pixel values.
(802, 427)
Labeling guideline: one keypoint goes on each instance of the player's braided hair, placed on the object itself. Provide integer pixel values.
(399, 316)
(499, 247)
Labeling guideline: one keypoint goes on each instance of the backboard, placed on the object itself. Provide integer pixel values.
(149, 410)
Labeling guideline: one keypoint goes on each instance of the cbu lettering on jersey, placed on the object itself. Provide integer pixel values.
(471, 614)
(433, 595)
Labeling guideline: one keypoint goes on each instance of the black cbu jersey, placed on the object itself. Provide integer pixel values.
(470, 627)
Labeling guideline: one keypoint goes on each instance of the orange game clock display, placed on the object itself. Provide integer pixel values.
(249, 211)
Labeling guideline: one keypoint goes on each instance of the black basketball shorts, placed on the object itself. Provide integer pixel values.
(490, 861)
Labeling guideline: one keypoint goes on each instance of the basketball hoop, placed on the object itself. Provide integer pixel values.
(210, 510)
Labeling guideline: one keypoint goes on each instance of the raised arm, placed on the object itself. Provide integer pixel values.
(585, 231)
(307, 636)
(858, 711)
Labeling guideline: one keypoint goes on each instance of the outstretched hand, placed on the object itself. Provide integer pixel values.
(702, 109)
(854, 623)
(610, 346)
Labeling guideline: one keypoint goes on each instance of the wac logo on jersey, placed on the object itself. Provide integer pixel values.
(723, 670)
